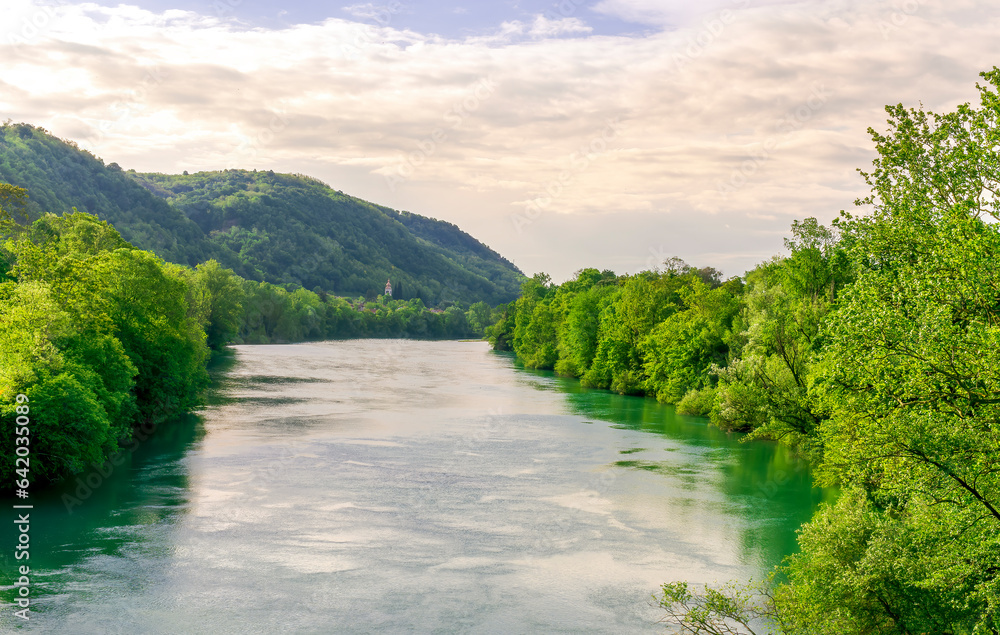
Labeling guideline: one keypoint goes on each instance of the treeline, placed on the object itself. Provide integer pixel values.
(874, 346)
(99, 335)
(103, 337)
(272, 314)
(738, 351)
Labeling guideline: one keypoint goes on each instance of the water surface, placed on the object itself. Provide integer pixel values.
(397, 486)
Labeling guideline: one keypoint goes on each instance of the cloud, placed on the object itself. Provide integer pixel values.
(378, 13)
(734, 122)
(675, 13)
(541, 27)
(545, 27)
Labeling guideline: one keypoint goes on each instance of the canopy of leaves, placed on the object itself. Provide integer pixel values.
(99, 335)
(893, 382)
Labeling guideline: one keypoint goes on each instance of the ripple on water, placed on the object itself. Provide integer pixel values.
(395, 486)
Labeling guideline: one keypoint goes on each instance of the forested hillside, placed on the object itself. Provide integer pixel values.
(294, 229)
(278, 228)
(873, 346)
(59, 176)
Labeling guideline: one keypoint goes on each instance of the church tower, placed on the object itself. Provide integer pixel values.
(388, 289)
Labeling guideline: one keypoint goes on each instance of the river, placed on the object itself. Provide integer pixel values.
(394, 486)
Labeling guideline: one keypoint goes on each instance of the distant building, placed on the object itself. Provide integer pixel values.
(388, 289)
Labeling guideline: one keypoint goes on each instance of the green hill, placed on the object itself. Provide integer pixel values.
(281, 228)
(295, 229)
(60, 176)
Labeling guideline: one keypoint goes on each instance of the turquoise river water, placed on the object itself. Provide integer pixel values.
(379, 486)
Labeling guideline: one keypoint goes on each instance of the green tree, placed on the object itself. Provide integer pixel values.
(578, 334)
(912, 370)
(501, 333)
(642, 302)
(479, 317)
(681, 349)
(12, 202)
(534, 332)
(109, 287)
(70, 403)
(222, 302)
(766, 387)
(728, 610)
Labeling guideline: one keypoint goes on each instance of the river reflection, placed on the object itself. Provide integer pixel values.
(768, 486)
(396, 486)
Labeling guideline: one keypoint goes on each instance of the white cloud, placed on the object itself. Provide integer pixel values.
(718, 125)
(540, 28)
(676, 13)
(369, 11)
(544, 27)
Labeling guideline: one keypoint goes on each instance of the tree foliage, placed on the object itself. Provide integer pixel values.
(98, 335)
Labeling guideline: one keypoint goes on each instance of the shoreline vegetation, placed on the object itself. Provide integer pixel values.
(873, 347)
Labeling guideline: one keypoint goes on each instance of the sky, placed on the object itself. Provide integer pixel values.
(583, 133)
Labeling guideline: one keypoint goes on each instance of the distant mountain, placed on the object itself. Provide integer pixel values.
(285, 229)
(293, 228)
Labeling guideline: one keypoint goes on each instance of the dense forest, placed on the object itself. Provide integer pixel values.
(287, 230)
(873, 346)
(101, 336)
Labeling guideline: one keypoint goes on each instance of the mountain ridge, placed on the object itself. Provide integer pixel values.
(287, 229)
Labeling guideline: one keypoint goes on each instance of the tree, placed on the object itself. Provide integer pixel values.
(534, 335)
(728, 610)
(680, 350)
(501, 332)
(108, 287)
(642, 302)
(909, 377)
(478, 317)
(70, 403)
(223, 298)
(578, 333)
(912, 368)
(12, 202)
(766, 387)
